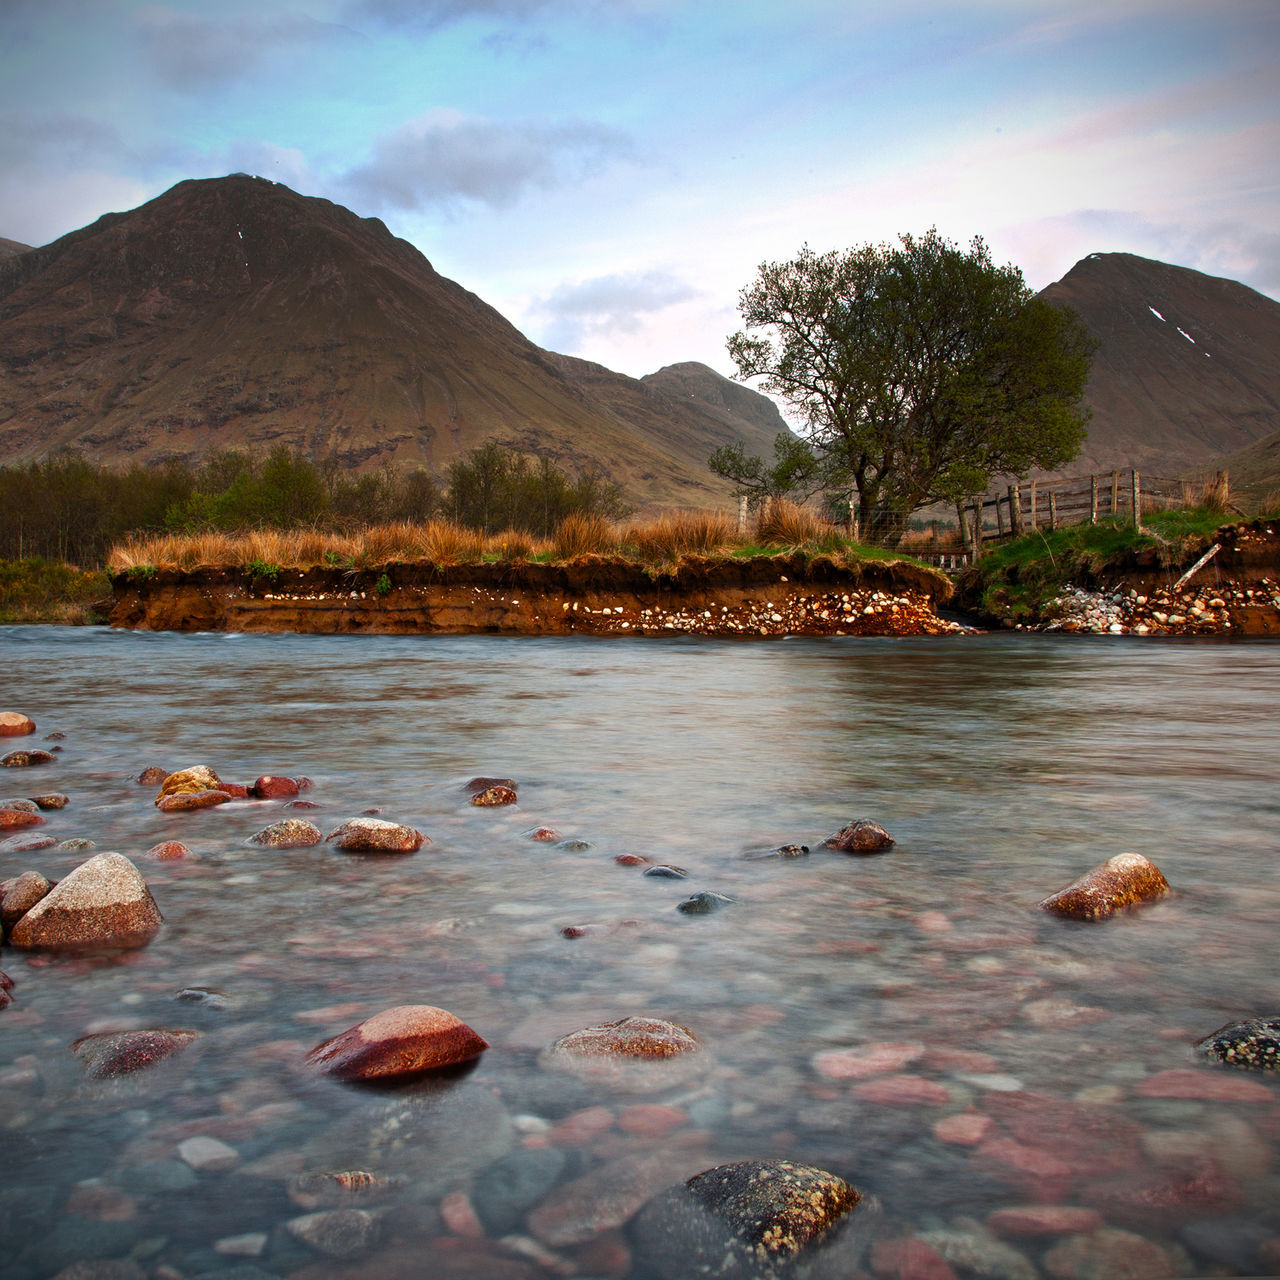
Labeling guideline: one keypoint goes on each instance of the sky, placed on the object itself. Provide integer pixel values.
(610, 174)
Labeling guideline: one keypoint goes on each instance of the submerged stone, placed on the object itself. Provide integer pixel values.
(291, 833)
(198, 777)
(185, 801)
(1126, 880)
(376, 835)
(492, 796)
(23, 759)
(704, 903)
(120, 1053)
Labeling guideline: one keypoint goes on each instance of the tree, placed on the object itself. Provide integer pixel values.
(796, 469)
(921, 371)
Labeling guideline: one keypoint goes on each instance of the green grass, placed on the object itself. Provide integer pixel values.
(37, 590)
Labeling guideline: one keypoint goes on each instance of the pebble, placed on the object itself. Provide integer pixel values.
(1187, 1082)
(860, 836)
(205, 1154)
(867, 1060)
(1107, 1254)
(965, 1128)
(290, 833)
(704, 903)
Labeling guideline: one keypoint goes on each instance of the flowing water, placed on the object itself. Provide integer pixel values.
(1025, 1053)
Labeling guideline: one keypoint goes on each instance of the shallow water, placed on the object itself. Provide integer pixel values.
(1004, 766)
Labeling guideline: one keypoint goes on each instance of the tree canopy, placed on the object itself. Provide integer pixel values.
(920, 371)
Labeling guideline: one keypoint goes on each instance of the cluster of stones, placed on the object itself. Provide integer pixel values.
(836, 613)
(1126, 611)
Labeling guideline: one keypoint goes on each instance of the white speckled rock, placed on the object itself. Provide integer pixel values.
(102, 903)
(376, 835)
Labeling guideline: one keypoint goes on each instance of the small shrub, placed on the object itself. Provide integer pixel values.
(141, 573)
(382, 586)
(263, 569)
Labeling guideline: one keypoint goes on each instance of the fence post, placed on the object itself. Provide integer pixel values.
(1115, 493)
(742, 513)
(1053, 512)
(977, 530)
(1035, 523)
(1015, 510)
(999, 518)
(1093, 499)
(1137, 502)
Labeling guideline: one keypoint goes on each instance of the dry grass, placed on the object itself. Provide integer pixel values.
(580, 535)
(784, 524)
(681, 533)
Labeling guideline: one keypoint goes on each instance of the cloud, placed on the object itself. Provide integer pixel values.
(607, 306)
(444, 157)
(194, 53)
(430, 14)
(42, 140)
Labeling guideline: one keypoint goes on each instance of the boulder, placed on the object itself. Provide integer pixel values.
(199, 777)
(1252, 1046)
(22, 804)
(13, 724)
(376, 835)
(483, 784)
(270, 787)
(491, 796)
(704, 903)
(290, 833)
(152, 776)
(21, 895)
(120, 1053)
(743, 1221)
(185, 801)
(1126, 880)
(404, 1041)
(860, 836)
(54, 800)
(633, 1053)
(17, 819)
(103, 903)
(22, 759)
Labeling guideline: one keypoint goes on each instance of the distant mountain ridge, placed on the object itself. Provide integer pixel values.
(233, 312)
(1187, 368)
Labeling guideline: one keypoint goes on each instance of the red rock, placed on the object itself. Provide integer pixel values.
(13, 724)
(21, 895)
(601, 1200)
(102, 903)
(120, 1053)
(1039, 1173)
(24, 759)
(270, 787)
(376, 835)
(236, 790)
(1126, 880)
(633, 860)
(152, 776)
(866, 1060)
(545, 835)
(1044, 1220)
(17, 819)
(1091, 1139)
(941, 1058)
(964, 1129)
(1109, 1254)
(579, 1127)
(1169, 1196)
(185, 801)
(405, 1040)
(628, 1038)
(1204, 1086)
(28, 842)
(459, 1216)
(909, 1260)
(51, 800)
(860, 836)
(652, 1121)
(170, 851)
(904, 1091)
(492, 796)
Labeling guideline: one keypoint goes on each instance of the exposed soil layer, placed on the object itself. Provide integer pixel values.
(779, 595)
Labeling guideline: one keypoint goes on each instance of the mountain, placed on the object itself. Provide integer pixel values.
(233, 312)
(11, 248)
(1187, 368)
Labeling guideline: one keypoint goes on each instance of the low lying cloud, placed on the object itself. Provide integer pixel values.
(606, 306)
(444, 157)
(430, 14)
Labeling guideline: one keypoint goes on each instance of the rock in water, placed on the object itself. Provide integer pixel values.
(22, 894)
(102, 903)
(636, 1053)
(197, 778)
(120, 1053)
(1252, 1046)
(290, 833)
(704, 903)
(404, 1041)
(860, 836)
(13, 724)
(185, 801)
(744, 1221)
(272, 787)
(376, 835)
(18, 819)
(23, 759)
(1123, 881)
(494, 796)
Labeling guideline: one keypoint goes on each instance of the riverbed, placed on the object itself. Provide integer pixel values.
(910, 1021)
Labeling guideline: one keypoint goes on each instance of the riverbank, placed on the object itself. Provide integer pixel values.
(789, 594)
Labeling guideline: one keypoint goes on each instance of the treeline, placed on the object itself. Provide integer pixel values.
(69, 509)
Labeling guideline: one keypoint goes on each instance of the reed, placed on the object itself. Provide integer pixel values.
(785, 524)
(581, 535)
(681, 533)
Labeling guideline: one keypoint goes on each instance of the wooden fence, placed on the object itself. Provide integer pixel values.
(1056, 504)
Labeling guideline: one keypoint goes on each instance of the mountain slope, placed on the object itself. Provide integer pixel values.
(1188, 366)
(233, 312)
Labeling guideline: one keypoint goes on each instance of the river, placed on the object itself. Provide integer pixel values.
(910, 1021)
